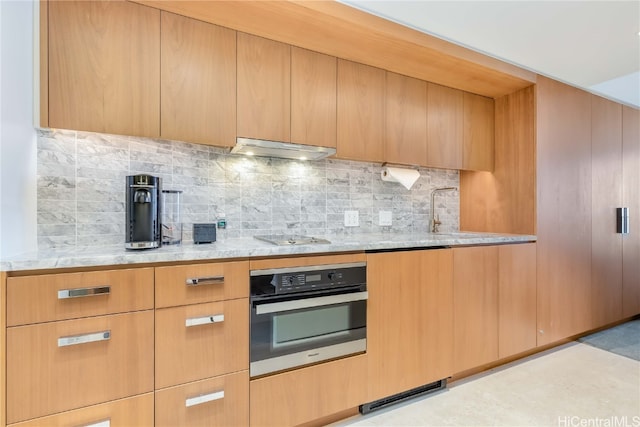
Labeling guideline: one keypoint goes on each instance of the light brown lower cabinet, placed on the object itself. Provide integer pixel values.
(516, 299)
(58, 366)
(475, 306)
(219, 401)
(133, 411)
(200, 341)
(409, 320)
(308, 394)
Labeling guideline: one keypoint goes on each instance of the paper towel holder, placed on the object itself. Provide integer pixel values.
(396, 165)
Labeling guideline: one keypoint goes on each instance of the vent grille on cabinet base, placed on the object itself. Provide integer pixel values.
(405, 395)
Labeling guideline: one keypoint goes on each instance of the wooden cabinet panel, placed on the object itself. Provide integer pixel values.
(505, 201)
(406, 120)
(409, 320)
(104, 67)
(34, 299)
(213, 282)
(198, 81)
(360, 112)
(475, 306)
(516, 299)
(478, 133)
(307, 394)
(445, 126)
(188, 353)
(631, 199)
(261, 264)
(44, 378)
(229, 410)
(133, 411)
(264, 88)
(313, 98)
(606, 196)
(564, 210)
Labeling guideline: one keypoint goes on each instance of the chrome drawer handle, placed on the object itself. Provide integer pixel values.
(84, 292)
(213, 280)
(204, 398)
(103, 423)
(206, 320)
(84, 339)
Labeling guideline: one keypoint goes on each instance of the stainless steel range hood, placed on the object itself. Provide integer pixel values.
(284, 150)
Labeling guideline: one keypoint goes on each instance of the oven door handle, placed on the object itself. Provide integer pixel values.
(277, 307)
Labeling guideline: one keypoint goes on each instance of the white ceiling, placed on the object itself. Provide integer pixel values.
(594, 45)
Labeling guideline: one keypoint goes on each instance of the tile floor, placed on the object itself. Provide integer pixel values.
(574, 385)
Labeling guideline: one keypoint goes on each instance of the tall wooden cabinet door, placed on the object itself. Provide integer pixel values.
(198, 81)
(264, 88)
(409, 320)
(478, 133)
(313, 98)
(516, 298)
(564, 210)
(104, 67)
(360, 112)
(406, 121)
(631, 199)
(445, 126)
(475, 306)
(606, 196)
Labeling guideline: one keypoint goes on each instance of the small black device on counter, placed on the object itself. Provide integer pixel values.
(204, 233)
(143, 212)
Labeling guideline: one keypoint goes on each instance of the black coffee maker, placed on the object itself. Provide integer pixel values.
(143, 212)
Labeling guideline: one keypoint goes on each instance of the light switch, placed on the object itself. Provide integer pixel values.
(385, 218)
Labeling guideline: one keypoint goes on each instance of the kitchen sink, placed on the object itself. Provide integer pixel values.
(291, 239)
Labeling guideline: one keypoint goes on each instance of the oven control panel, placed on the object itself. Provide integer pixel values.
(291, 280)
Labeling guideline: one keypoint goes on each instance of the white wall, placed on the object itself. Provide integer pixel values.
(17, 134)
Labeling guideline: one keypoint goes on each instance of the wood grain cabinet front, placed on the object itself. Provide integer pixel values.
(58, 366)
(221, 401)
(104, 67)
(200, 341)
(50, 297)
(133, 411)
(197, 283)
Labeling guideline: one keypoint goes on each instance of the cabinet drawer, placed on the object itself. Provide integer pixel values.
(220, 401)
(134, 411)
(58, 366)
(307, 394)
(215, 342)
(191, 284)
(35, 299)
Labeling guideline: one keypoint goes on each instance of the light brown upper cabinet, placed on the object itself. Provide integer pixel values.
(445, 126)
(631, 200)
(360, 112)
(313, 98)
(478, 133)
(104, 67)
(198, 65)
(406, 121)
(264, 88)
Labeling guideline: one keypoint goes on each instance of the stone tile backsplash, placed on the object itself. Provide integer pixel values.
(81, 190)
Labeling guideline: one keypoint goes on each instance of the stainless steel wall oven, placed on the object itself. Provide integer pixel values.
(308, 314)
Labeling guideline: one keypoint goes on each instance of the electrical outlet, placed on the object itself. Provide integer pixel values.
(385, 218)
(351, 219)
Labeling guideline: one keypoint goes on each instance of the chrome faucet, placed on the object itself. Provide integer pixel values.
(434, 221)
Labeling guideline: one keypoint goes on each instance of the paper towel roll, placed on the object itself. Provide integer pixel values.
(406, 177)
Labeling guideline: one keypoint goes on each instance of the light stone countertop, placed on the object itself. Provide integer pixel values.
(245, 247)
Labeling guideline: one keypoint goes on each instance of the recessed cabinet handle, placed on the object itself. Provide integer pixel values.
(206, 320)
(204, 398)
(213, 280)
(83, 292)
(84, 339)
(103, 423)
